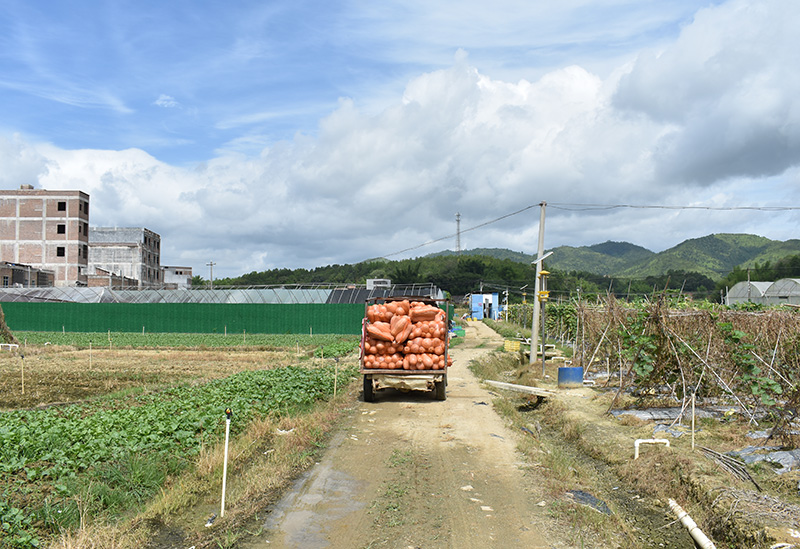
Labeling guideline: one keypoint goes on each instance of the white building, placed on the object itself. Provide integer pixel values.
(131, 252)
(177, 277)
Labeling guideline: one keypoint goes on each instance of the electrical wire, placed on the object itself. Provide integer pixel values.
(577, 207)
(589, 207)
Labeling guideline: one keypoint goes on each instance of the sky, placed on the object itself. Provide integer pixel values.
(296, 134)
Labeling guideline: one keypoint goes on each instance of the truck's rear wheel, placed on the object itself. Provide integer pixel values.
(369, 394)
(439, 388)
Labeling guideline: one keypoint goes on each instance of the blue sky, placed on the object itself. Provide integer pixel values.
(277, 134)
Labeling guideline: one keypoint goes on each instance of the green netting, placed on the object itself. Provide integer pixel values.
(204, 318)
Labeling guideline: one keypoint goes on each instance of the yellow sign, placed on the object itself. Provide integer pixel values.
(511, 346)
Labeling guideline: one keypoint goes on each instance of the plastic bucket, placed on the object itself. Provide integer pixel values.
(570, 377)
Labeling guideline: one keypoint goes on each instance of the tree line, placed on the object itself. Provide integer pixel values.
(461, 275)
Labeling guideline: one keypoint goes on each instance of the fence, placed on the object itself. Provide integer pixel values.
(269, 318)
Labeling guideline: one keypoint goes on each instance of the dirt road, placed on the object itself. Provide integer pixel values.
(410, 471)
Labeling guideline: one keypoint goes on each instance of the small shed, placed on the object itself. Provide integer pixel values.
(747, 291)
(485, 306)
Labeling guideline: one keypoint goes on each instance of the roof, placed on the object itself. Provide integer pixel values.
(278, 294)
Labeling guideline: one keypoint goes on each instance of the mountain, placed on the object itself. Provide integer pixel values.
(608, 258)
(496, 253)
(713, 256)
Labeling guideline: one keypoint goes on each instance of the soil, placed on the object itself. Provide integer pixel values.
(410, 471)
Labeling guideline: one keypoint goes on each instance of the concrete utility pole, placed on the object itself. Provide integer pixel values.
(536, 304)
(458, 234)
(211, 268)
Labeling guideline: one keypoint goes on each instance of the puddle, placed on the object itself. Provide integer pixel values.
(304, 516)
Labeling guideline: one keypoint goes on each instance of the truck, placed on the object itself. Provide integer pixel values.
(405, 344)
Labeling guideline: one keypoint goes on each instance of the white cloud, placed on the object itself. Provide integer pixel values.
(727, 90)
(167, 101)
(21, 163)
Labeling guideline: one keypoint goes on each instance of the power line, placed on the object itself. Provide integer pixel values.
(589, 207)
(566, 206)
(428, 243)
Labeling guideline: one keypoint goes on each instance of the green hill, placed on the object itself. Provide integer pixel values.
(713, 256)
(496, 253)
(608, 258)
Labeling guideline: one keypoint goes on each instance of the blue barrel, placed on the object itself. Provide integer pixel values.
(570, 377)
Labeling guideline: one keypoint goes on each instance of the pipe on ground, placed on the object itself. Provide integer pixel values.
(697, 535)
(647, 441)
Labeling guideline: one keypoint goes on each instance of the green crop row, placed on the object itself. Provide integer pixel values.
(331, 344)
(58, 446)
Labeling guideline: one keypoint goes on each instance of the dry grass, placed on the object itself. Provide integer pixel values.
(263, 462)
(107, 537)
(56, 375)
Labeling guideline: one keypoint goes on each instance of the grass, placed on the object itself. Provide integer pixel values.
(550, 446)
(579, 446)
(62, 374)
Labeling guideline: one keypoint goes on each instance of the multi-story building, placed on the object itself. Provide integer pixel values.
(48, 230)
(131, 252)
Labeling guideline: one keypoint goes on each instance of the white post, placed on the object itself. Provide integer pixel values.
(335, 374)
(692, 421)
(536, 304)
(225, 461)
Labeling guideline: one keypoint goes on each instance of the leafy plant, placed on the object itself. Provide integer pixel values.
(741, 354)
(111, 454)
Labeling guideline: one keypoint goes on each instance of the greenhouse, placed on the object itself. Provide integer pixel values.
(783, 291)
(747, 291)
(281, 294)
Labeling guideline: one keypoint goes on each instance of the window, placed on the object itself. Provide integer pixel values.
(62, 206)
(61, 251)
(61, 229)
(5, 281)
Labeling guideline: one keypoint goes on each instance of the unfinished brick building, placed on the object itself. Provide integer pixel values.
(132, 252)
(48, 230)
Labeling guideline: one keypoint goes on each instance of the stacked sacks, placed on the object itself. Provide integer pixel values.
(388, 328)
(405, 335)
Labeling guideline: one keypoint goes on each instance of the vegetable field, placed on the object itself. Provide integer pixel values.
(142, 416)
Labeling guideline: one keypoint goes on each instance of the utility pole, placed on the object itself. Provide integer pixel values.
(748, 284)
(536, 303)
(458, 234)
(211, 268)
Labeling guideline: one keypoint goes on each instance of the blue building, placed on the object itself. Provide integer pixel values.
(485, 306)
